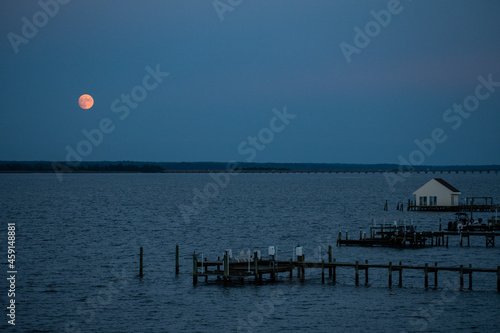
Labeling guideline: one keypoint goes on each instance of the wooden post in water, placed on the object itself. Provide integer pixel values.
(468, 239)
(177, 259)
(195, 269)
(439, 224)
(498, 279)
(356, 267)
(205, 271)
(226, 267)
(460, 239)
(140, 262)
(291, 269)
(323, 271)
(334, 274)
(256, 269)
(400, 274)
(461, 277)
(329, 260)
(339, 238)
(470, 277)
(436, 275)
(447, 241)
(366, 272)
(390, 275)
(426, 273)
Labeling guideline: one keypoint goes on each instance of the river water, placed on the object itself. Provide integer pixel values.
(77, 246)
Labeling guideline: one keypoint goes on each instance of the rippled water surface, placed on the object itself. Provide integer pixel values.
(78, 242)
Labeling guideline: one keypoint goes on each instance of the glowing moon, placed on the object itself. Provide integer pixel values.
(85, 101)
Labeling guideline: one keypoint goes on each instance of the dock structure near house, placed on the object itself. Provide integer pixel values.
(439, 195)
(391, 235)
(256, 270)
(472, 204)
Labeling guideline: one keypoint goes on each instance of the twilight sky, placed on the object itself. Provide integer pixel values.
(349, 81)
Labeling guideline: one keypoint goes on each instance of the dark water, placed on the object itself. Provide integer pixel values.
(78, 242)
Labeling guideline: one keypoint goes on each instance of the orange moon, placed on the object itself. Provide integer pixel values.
(85, 101)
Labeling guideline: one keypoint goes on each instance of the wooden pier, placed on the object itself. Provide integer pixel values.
(227, 271)
(389, 235)
(473, 204)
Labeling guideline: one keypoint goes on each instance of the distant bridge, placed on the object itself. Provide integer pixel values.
(463, 171)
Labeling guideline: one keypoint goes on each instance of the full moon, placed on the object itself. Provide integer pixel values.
(85, 101)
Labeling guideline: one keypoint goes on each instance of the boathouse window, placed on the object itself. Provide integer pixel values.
(423, 201)
(432, 201)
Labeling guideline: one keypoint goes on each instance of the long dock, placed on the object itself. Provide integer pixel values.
(389, 235)
(227, 270)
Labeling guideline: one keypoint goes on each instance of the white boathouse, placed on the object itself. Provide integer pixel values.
(436, 193)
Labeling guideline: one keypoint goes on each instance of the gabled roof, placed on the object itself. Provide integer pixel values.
(444, 183)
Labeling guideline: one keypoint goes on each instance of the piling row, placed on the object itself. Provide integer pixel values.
(392, 237)
(234, 270)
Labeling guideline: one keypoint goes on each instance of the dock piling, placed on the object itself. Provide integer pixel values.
(323, 271)
(195, 269)
(256, 269)
(400, 274)
(461, 271)
(334, 274)
(140, 262)
(177, 259)
(470, 277)
(426, 274)
(435, 275)
(357, 273)
(366, 272)
(226, 267)
(498, 279)
(390, 275)
(329, 260)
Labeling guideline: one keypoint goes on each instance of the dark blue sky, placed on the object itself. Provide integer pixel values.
(226, 76)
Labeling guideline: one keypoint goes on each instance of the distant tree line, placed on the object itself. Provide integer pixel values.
(132, 166)
(82, 167)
